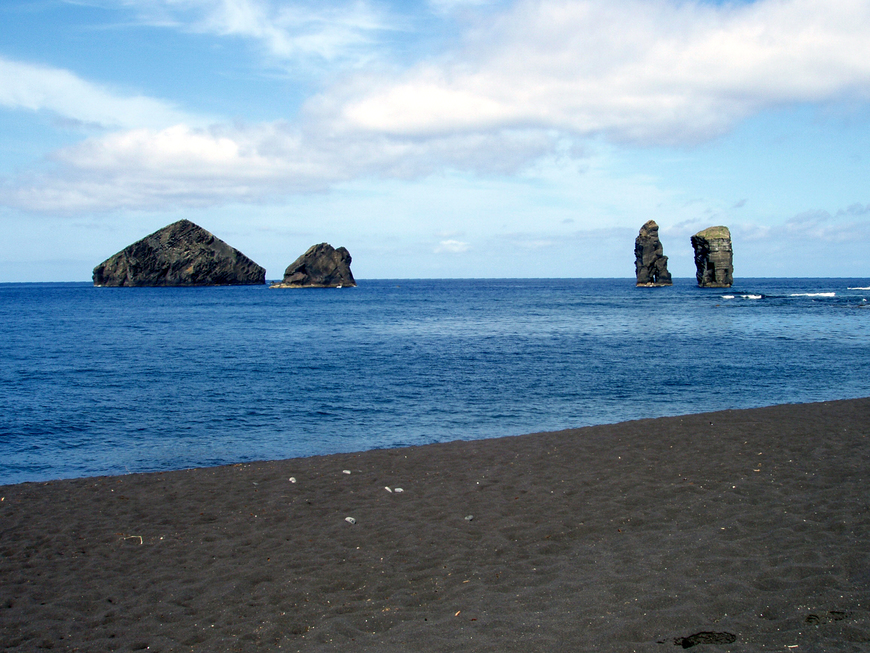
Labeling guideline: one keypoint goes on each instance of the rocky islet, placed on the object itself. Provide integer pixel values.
(713, 257)
(180, 254)
(321, 266)
(185, 254)
(714, 263)
(651, 265)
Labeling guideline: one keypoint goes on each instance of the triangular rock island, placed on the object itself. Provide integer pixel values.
(180, 254)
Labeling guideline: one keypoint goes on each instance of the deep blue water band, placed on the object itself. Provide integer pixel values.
(114, 380)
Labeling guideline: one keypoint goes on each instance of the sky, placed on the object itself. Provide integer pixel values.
(438, 138)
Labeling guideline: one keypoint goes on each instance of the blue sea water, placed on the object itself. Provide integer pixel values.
(115, 380)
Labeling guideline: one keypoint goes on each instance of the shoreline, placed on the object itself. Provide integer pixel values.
(737, 530)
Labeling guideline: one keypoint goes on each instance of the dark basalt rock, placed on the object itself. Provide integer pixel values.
(322, 266)
(650, 263)
(181, 254)
(706, 637)
(713, 258)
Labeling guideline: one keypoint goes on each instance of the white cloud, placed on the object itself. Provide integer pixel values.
(41, 88)
(287, 31)
(820, 225)
(530, 82)
(452, 247)
(177, 166)
(539, 244)
(813, 226)
(450, 6)
(637, 71)
(181, 166)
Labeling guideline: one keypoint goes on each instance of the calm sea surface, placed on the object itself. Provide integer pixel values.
(116, 380)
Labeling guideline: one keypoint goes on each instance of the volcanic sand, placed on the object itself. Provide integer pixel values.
(743, 530)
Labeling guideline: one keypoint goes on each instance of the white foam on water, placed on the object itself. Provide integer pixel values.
(814, 294)
(859, 288)
(727, 296)
(751, 296)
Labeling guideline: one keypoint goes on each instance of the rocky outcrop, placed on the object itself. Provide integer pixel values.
(181, 254)
(650, 263)
(713, 258)
(322, 266)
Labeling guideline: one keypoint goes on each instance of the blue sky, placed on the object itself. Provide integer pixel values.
(449, 138)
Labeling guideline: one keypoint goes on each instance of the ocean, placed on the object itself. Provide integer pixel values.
(118, 380)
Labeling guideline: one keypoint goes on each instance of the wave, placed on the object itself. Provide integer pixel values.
(859, 288)
(814, 294)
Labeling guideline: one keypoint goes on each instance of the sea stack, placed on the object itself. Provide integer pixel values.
(713, 258)
(650, 263)
(180, 254)
(322, 266)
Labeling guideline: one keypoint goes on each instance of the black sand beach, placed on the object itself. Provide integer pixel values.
(739, 530)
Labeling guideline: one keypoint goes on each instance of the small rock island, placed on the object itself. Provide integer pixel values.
(713, 258)
(180, 254)
(322, 266)
(650, 263)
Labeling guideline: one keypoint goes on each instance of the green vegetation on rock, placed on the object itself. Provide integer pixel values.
(714, 232)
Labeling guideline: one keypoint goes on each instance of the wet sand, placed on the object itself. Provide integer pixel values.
(745, 530)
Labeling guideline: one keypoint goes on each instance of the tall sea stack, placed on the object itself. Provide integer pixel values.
(322, 266)
(713, 258)
(650, 263)
(180, 254)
